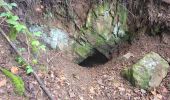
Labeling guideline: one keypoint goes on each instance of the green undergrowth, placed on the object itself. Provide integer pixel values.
(16, 81)
(16, 27)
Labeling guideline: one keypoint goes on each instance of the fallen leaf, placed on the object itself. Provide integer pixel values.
(14, 70)
(143, 91)
(121, 89)
(154, 92)
(159, 96)
(164, 90)
(92, 90)
(3, 83)
(128, 55)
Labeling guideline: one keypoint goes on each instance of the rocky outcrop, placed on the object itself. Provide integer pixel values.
(148, 72)
(103, 29)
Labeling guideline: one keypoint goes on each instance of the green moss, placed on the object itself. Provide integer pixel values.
(128, 74)
(99, 41)
(143, 77)
(16, 81)
(90, 18)
(123, 15)
(101, 8)
(83, 50)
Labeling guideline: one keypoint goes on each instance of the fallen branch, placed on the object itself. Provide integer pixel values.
(34, 73)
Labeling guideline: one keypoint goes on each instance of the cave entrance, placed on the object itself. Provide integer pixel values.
(96, 59)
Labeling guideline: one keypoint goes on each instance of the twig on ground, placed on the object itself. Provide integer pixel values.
(34, 73)
(28, 48)
(163, 45)
(2, 20)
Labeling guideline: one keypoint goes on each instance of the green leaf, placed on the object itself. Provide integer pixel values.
(37, 33)
(42, 47)
(12, 33)
(15, 18)
(9, 7)
(12, 22)
(6, 14)
(35, 43)
(22, 49)
(34, 61)
(20, 27)
(13, 4)
(29, 69)
(20, 60)
(2, 3)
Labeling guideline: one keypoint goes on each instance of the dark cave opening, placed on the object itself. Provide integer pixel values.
(96, 59)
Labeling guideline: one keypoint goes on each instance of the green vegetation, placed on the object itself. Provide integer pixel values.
(83, 50)
(17, 27)
(22, 63)
(16, 81)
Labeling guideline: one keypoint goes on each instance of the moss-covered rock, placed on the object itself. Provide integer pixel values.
(148, 72)
(101, 32)
(16, 81)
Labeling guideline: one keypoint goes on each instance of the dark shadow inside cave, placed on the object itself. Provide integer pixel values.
(96, 59)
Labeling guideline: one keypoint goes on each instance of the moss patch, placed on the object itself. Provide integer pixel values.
(16, 81)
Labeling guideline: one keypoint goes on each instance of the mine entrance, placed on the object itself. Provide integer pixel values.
(96, 59)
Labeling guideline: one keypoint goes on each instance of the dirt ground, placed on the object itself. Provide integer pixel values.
(69, 81)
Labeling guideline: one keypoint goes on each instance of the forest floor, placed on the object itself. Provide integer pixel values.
(69, 81)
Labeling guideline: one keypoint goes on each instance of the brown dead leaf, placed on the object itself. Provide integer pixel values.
(154, 92)
(164, 90)
(3, 83)
(92, 91)
(14, 70)
(159, 96)
(156, 95)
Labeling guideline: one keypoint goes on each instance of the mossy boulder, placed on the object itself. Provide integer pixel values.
(103, 31)
(148, 72)
(83, 50)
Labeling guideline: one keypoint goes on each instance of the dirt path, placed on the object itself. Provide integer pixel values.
(102, 82)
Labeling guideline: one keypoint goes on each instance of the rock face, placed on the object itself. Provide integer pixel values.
(102, 31)
(55, 37)
(148, 72)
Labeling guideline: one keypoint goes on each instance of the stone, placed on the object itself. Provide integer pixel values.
(54, 37)
(128, 55)
(71, 94)
(143, 91)
(101, 32)
(148, 72)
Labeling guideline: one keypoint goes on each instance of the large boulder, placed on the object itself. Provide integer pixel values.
(148, 72)
(54, 37)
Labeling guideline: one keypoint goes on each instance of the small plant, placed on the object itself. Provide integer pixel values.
(22, 63)
(17, 27)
